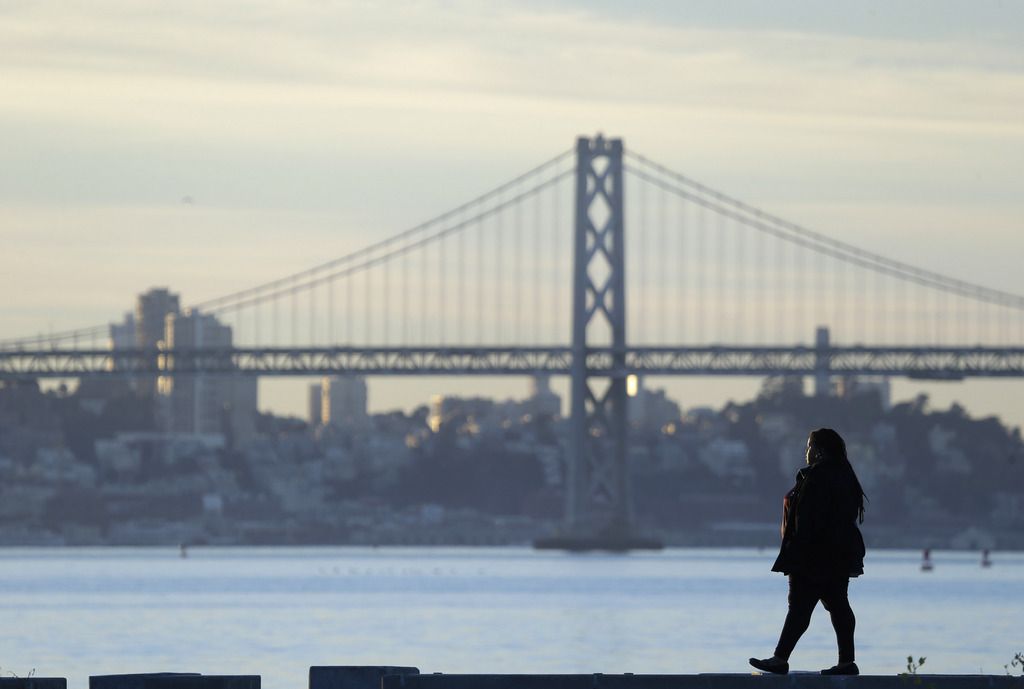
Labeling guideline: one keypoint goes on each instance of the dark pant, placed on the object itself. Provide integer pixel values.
(804, 594)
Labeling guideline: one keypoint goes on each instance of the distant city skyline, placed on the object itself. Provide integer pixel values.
(137, 157)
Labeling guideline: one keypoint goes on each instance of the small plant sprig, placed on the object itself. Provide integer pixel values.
(15, 675)
(913, 667)
(910, 676)
(1016, 663)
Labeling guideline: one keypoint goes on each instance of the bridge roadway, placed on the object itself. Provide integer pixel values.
(935, 363)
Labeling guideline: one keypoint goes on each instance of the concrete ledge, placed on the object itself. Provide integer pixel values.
(33, 683)
(132, 680)
(174, 680)
(709, 681)
(353, 676)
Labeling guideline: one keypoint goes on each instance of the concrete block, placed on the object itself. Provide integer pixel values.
(131, 681)
(174, 680)
(203, 682)
(33, 683)
(353, 676)
(796, 680)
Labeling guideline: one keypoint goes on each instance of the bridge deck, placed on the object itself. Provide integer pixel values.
(941, 363)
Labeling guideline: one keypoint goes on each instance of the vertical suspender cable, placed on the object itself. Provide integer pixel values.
(740, 266)
(901, 322)
(460, 294)
(802, 327)
(879, 305)
(424, 262)
(403, 268)
(779, 312)
(699, 235)
(868, 297)
(964, 319)
(255, 306)
(517, 271)
(295, 316)
(838, 331)
(856, 293)
(349, 319)
(723, 311)
(442, 281)
(917, 312)
(682, 261)
(537, 269)
(1020, 328)
(991, 324)
(797, 329)
(367, 306)
(849, 305)
(385, 312)
(644, 276)
(757, 275)
(662, 314)
(240, 336)
(559, 304)
(479, 291)
(989, 327)
(787, 294)
(498, 241)
(275, 331)
(1004, 324)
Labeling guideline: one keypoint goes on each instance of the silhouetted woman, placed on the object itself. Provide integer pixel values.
(821, 549)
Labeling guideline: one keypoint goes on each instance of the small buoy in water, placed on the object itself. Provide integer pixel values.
(985, 562)
(926, 560)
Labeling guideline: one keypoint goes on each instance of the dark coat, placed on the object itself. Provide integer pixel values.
(820, 536)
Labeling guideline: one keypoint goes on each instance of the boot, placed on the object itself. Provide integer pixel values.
(776, 666)
(849, 668)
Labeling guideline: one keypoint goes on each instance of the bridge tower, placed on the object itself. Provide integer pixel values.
(599, 512)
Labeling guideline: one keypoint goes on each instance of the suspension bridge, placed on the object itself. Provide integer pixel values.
(537, 277)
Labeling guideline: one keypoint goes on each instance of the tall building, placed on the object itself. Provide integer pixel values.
(343, 401)
(205, 403)
(652, 409)
(851, 386)
(122, 336)
(151, 311)
(94, 393)
(239, 422)
(315, 405)
(543, 401)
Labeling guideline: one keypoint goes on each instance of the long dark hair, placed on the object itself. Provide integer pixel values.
(831, 447)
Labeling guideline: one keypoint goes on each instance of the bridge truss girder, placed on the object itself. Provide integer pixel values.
(938, 363)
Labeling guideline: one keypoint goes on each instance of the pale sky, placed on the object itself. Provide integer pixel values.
(303, 130)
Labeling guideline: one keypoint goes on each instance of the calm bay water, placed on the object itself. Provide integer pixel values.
(275, 611)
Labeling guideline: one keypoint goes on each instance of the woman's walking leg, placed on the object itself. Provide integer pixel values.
(836, 600)
(802, 599)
